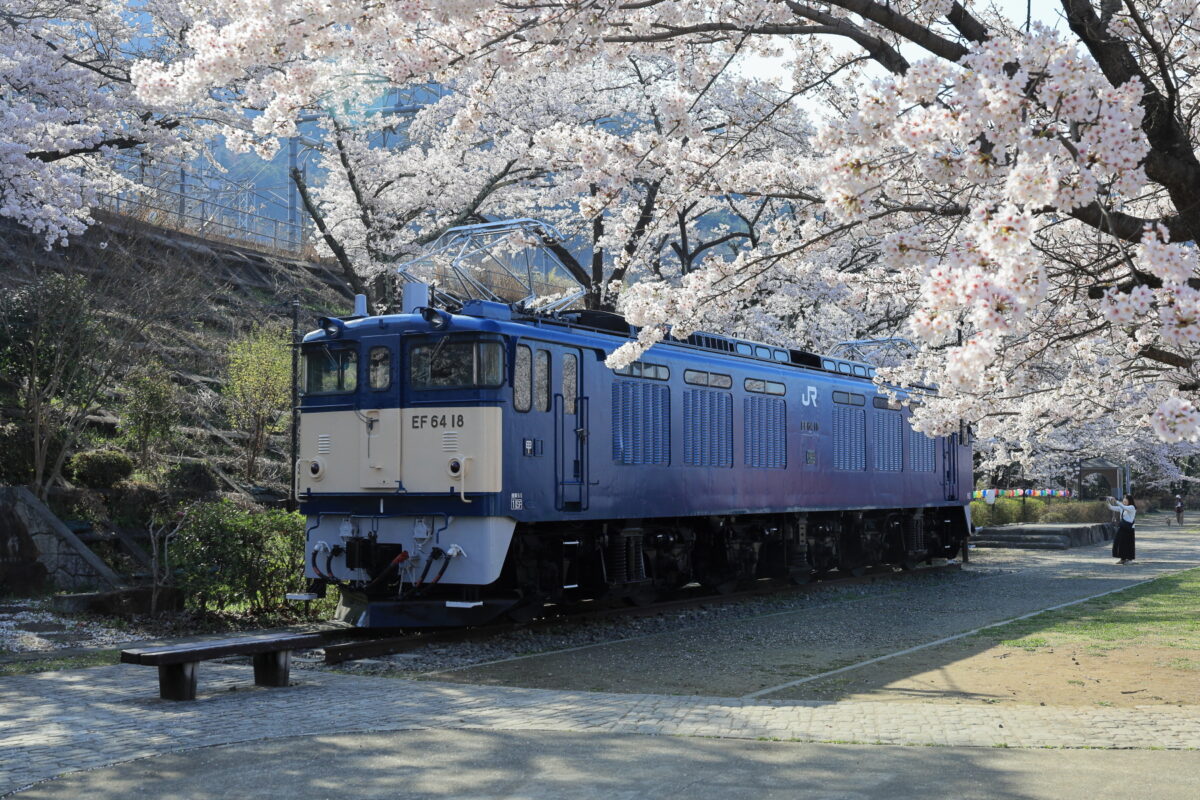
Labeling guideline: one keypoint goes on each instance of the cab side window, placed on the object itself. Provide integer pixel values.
(541, 380)
(522, 379)
(379, 367)
(570, 380)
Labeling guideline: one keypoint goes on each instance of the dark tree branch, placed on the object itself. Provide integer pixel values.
(882, 52)
(364, 211)
(901, 25)
(339, 252)
(639, 229)
(1166, 357)
(664, 32)
(1159, 56)
(1125, 227)
(1172, 162)
(50, 156)
(597, 281)
(567, 258)
(971, 28)
(471, 209)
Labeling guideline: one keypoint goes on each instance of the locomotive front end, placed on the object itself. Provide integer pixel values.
(400, 469)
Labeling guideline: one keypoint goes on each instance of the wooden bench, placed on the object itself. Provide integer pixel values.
(176, 663)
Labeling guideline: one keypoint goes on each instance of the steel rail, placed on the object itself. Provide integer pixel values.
(338, 653)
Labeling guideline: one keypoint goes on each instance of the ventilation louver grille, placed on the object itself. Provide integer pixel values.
(641, 427)
(889, 433)
(849, 438)
(765, 432)
(707, 428)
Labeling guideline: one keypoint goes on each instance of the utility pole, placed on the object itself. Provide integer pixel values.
(293, 501)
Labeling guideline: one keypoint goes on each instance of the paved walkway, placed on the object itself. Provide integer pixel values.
(476, 764)
(53, 723)
(61, 722)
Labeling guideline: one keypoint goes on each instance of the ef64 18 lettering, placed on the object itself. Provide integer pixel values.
(438, 421)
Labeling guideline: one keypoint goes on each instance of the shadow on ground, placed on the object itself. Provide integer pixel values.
(478, 764)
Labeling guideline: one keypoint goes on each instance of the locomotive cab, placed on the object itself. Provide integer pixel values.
(399, 462)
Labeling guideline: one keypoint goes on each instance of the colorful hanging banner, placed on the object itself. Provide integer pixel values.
(984, 494)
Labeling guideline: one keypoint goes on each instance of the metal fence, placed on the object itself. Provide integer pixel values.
(247, 211)
(207, 204)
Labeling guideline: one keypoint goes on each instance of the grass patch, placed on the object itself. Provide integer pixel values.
(1162, 613)
(1028, 643)
(52, 663)
(1184, 663)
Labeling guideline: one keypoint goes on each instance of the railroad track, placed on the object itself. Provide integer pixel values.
(385, 644)
(350, 644)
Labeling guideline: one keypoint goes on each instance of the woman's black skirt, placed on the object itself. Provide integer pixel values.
(1123, 542)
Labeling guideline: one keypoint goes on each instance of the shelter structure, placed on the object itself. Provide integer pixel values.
(1116, 475)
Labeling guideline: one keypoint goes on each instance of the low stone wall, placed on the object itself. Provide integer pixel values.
(37, 551)
(1045, 537)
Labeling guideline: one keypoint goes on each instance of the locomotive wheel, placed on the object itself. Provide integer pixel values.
(721, 587)
(526, 610)
(640, 598)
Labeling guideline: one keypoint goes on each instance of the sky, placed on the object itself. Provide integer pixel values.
(1045, 11)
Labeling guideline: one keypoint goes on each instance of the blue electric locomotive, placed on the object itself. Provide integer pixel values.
(458, 467)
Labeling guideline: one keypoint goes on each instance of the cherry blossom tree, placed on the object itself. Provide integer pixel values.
(1019, 198)
(66, 102)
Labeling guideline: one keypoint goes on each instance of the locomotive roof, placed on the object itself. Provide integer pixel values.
(481, 316)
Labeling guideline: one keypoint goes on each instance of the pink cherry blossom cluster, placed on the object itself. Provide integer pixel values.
(1176, 420)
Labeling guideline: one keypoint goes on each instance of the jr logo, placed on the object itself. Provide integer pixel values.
(810, 396)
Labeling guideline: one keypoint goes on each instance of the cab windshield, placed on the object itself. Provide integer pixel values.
(455, 362)
(329, 370)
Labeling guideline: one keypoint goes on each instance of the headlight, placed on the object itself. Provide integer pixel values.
(437, 319)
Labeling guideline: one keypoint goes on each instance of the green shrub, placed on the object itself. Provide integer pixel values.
(1032, 509)
(190, 478)
(1008, 510)
(258, 389)
(981, 514)
(134, 503)
(151, 410)
(227, 557)
(100, 469)
(1078, 511)
(1005, 510)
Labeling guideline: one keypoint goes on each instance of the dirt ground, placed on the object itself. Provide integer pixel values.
(961, 672)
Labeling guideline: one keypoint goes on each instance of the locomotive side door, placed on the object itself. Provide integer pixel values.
(379, 415)
(570, 433)
(950, 465)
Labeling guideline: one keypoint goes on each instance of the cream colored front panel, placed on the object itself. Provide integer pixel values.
(333, 451)
(451, 449)
(379, 449)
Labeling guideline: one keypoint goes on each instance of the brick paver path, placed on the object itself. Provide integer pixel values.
(58, 722)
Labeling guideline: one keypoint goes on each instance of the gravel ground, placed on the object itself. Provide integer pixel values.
(28, 626)
(570, 635)
(739, 647)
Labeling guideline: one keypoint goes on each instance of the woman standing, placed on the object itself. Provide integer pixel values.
(1123, 542)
